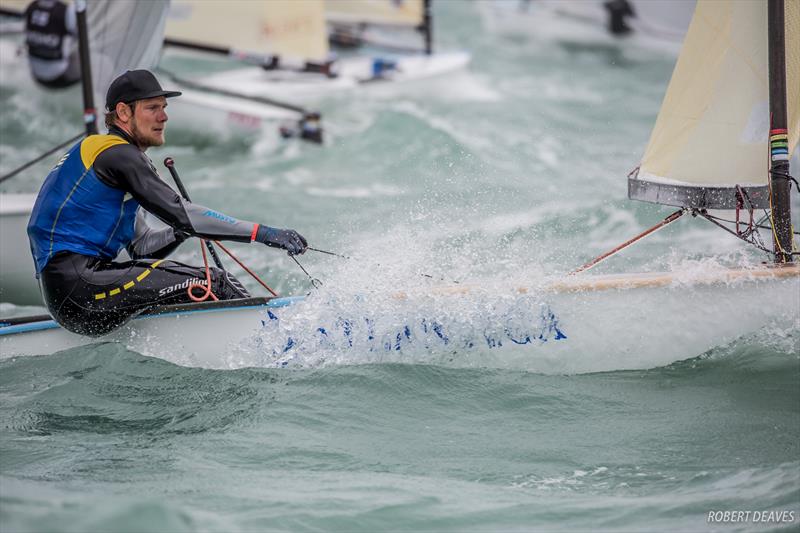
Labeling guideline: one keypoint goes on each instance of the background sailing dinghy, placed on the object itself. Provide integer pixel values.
(289, 43)
(17, 280)
(652, 25)
(382, 23)
(130, 35)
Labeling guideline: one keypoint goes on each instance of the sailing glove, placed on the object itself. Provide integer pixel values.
(288, 239)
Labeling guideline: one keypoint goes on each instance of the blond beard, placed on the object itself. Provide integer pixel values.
(141, 141)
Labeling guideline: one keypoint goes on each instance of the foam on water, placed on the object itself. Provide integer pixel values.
(536, 331)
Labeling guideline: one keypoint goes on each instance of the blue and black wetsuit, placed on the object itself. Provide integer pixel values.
(90, 208)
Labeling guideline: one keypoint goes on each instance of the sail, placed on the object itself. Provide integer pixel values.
(712, 131)
(123, 36)
(387, 12)
(285, 28)
(792, 14)
(14, 6)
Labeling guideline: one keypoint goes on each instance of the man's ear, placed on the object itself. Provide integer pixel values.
(124, 112)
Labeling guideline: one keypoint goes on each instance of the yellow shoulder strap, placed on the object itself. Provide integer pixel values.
(93, 145)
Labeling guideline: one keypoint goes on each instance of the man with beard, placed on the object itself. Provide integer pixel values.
(92, 206)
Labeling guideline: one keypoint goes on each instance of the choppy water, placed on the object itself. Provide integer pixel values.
(503, 175)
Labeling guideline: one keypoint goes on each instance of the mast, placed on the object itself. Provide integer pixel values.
(426, 27)
(779, 138)
(89, 112)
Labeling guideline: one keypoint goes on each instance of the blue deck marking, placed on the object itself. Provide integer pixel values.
(25, 328)
(52, 324)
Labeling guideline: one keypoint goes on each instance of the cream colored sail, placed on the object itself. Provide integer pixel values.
(389, 12)
(713, 127)
(14, 5)
(285, 28)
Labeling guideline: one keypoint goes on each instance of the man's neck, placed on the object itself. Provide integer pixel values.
(121, 131)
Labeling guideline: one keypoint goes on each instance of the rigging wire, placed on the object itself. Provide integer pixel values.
(759, 224)
(41, 157)
(314, 281)
(246, 269)
(752, 236)
(424, 275)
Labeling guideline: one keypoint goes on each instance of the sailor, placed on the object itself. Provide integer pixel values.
(51, 35)
(92, 205)
(619, 11)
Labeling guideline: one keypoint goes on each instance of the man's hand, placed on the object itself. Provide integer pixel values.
(288, 239)
(180, 236)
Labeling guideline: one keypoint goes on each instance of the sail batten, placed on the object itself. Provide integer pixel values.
(713, 127)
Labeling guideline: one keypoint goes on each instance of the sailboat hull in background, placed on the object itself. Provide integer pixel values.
(573, 325)
(225, 115)
(17, 275)
(352, 72)
(659, 25)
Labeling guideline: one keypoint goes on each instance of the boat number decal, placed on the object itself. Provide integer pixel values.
(347, 333)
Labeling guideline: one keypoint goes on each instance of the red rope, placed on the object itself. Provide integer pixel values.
(207, 288)
(207, 293)
(253, 274)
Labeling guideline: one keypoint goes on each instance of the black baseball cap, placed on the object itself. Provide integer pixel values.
(135, 85)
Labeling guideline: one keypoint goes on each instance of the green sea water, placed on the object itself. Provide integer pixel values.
(501, 175)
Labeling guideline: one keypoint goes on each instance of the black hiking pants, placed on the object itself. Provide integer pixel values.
(92, 296)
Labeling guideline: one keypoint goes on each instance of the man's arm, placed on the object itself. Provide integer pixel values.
(126, 167)
(149, 242)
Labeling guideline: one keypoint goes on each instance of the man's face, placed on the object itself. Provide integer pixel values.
(149, 122)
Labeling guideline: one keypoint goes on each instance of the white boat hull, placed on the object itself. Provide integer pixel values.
(352, 72)
(199, 338)
(226, 115)
(17, 275)
(576, 325)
